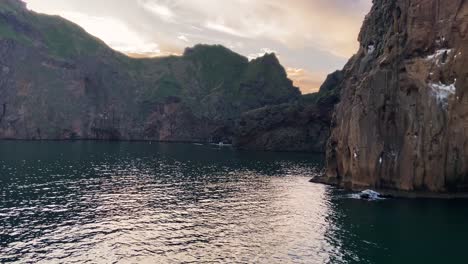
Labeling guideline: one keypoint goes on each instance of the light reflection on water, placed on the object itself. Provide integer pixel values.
(140, 203)
(98, 202)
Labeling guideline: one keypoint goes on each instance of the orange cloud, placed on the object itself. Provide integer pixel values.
(308, 82)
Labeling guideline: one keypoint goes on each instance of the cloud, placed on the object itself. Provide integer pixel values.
(183, 38)
(262, 52)
(313, 36)
(121, 37)
(329, 25)
(221, 27)
(162, 11)
(308, 82)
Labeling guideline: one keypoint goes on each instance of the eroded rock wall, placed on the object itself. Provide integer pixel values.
(403, 117)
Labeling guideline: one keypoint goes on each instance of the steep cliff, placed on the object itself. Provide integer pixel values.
(58, 82)
(402, 120)
(299, 126)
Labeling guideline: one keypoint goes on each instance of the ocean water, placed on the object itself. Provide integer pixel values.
(122, 202)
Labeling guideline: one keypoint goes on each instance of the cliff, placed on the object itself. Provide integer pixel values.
(300, 126)
(402, 120)
(58, 82)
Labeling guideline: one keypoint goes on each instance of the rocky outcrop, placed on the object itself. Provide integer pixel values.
(289, 127)
(402, 120)
(58, 82)
(300, 126)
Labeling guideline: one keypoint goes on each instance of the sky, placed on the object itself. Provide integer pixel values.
(312, 38)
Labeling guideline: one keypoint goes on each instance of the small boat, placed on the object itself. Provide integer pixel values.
(222, 144)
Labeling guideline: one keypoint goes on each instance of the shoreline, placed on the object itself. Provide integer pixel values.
(398, 194)
(159, 141)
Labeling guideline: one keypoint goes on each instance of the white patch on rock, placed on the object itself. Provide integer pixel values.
(370, 49)
(380, 160)
(442, 91)
(437, 56)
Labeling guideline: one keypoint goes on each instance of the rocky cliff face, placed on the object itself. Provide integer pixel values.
(287, 127)
(299, 126)
(402, 122)
(58, 82)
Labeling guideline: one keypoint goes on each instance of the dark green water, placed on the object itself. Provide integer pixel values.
(101, 202)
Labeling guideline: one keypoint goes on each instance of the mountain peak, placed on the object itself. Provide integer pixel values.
(269, 58)
(91, 92)
(210, 51)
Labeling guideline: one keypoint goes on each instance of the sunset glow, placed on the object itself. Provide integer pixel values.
(311, 37)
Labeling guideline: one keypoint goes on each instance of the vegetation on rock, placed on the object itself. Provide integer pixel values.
(58, 82)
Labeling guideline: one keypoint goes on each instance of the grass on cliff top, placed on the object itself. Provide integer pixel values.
(61, 37)
(223, 70)
(6, 31)
(11, 6)
(9, 9)
(218, 66)
(4, 8)
(64, 38)
(267, 69)
(218, 72)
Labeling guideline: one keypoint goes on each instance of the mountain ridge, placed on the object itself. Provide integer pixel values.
(59, 82)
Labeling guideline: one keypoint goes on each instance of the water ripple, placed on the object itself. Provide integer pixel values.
(159, 207)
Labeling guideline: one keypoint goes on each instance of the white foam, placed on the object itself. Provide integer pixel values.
(369, 195)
